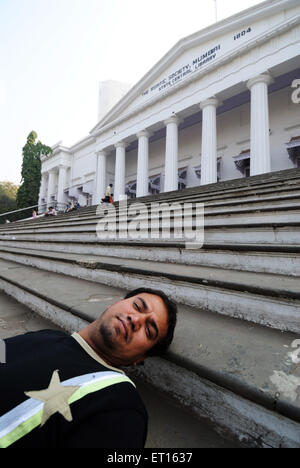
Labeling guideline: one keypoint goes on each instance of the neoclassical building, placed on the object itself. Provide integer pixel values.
(222, 104)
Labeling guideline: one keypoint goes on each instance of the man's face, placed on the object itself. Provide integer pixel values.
(130, 327)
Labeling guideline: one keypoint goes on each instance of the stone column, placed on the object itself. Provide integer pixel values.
(43, 191)
(119, 188)
(260, 162)
(51, 186)
(143, 163)
(171, 159)
(209, 141)
(100, 177)
(62, 178)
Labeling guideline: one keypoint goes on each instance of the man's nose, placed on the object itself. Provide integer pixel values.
(135, 321)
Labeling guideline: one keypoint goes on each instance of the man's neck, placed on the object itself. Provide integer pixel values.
(85, 336)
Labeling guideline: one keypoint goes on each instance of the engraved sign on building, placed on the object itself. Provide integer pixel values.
(198, 62)
(184, 71)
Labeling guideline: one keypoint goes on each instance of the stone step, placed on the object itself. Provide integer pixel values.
(217, 193)
(276, 259)
(283, 180)
(272, 180)
(267, 194)
(286, 233)
(272, 213)
(281, 202)
(267, 299)
(214, 366)
(290, 176)
(145, 223)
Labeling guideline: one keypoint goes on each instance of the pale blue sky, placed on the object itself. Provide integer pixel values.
(54, 53)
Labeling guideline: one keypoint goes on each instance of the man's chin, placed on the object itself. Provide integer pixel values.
(108, 335)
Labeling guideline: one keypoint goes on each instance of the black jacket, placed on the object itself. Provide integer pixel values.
(114, 417)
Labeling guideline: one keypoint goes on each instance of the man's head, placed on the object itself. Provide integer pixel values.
(140, 325)
(110, 185)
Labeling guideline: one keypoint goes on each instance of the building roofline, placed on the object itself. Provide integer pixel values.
(216, 29)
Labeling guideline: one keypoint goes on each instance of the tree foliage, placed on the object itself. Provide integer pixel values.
(6, 204)
(8, 191)
(28, 192)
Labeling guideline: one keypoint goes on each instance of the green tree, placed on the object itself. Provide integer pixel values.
(28, 193)
(10, 189)
(6, 204)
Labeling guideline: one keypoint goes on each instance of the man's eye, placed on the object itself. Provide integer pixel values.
(137, 306)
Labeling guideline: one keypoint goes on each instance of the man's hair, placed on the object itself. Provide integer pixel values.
(164, 343)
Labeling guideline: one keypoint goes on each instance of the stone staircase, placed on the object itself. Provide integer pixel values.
(234, 359)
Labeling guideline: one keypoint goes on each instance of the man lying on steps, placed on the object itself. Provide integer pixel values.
(67, 391)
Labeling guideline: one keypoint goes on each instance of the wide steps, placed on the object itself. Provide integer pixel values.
(267, 299)
(283, 183)
(278, 213)
(285, 233)
(260, 258)
(224, 353)
(234, 357)
(263, 199)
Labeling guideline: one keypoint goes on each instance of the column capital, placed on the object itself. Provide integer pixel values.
(263, 78)
(173, 119)
(213, 101)
(101, 153)
(52, 171)
(143, 133)
(120, 144)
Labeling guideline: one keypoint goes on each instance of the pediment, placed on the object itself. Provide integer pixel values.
(174, 68)
(194, 55)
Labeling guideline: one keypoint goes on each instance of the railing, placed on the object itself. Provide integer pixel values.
(26, 213)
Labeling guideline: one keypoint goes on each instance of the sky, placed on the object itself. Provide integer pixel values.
(54, 53)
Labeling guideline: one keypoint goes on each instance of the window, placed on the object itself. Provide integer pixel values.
(154, 184)
(293, 149)
(197, 170)
(182, 173)
(219, 169)
(130, 189)
(242, 162)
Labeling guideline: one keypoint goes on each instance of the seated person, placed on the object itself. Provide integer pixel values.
(51, 212)
(70, 207)
(76, 205)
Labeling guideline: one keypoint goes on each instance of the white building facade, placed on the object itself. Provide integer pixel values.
(222, 104)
